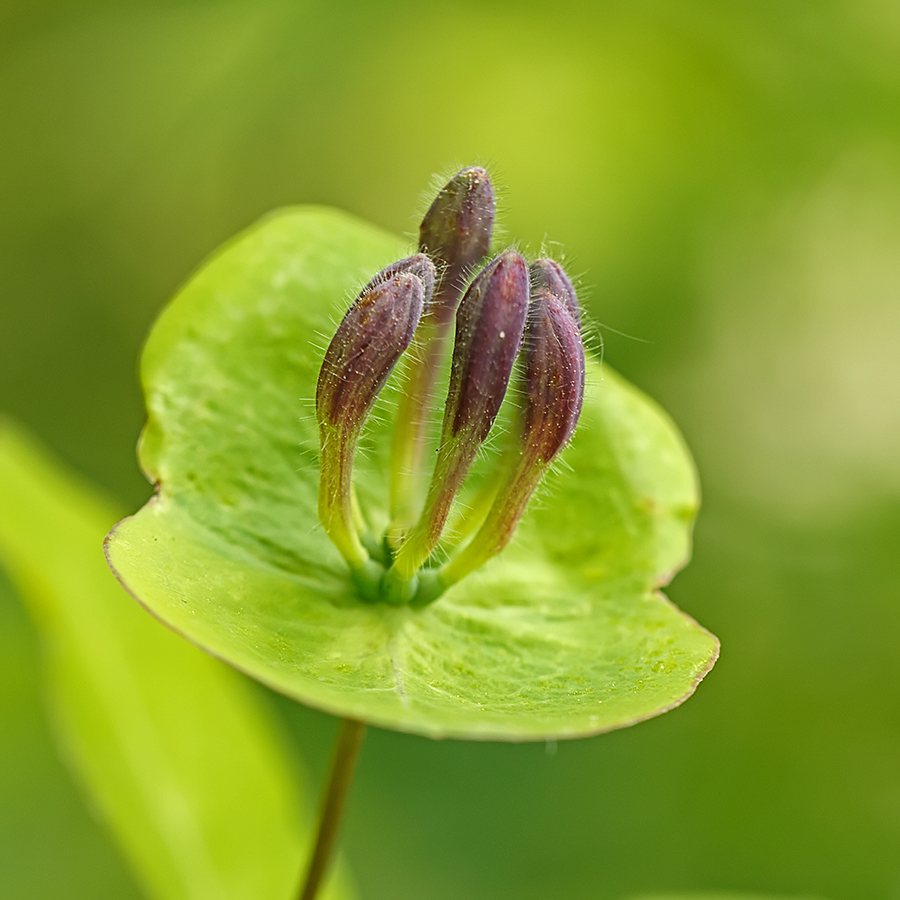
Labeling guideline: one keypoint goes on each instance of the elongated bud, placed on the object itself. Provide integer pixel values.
(489, 328)
(553, 373)
(456, 233)
(490, 324)
(373, 334)
(376, 329)
(548, 275)
(419, 265)
(553, 363)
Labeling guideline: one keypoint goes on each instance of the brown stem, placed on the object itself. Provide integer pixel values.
(343, 762)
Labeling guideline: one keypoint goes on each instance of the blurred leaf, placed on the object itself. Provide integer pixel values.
(563, 635)
(50, 843)
(174, 749)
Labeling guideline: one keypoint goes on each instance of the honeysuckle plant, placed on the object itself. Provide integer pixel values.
(391, 485)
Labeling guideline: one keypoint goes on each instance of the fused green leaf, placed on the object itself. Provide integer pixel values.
(174, 750)
(564, 634)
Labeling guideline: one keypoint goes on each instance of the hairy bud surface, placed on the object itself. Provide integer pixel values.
(553, 363)
(490, 324)
(456, 231)
(377, 328)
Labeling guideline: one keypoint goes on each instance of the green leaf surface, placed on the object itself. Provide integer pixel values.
(175, 751)
(563, 635)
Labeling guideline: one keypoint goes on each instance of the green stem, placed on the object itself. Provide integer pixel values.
(337, 511)
(343, 762)
(500, 523)
(411, 428)
(453, 461)
(468, 520)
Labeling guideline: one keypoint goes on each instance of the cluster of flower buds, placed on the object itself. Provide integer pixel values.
(513, 322)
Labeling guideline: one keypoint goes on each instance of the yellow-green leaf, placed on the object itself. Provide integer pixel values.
(175, 751)
(564, 634)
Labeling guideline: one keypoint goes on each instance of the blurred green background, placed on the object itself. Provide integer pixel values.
(725, 178)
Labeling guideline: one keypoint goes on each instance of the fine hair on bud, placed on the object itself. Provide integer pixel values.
(419, 265)
(373, 334)
(456, 231)
(490, 325)
(548, 275)
(553, 363)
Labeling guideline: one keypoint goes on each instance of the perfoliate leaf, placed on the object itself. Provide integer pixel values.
(564, 634)
(176, 753)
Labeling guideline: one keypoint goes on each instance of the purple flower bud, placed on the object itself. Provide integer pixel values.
(549, 275)
(419, 265)
(489, 328)
(368, 342)
(553, 363)
(456, 233)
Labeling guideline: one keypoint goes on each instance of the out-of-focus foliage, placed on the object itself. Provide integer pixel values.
(176, 752)
(727, 178)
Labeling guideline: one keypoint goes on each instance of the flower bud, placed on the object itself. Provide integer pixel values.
(373, 334)
(549, 275)
(456, 233)
(376, 329)
(553, 363)
(489, 328)
(419, 265)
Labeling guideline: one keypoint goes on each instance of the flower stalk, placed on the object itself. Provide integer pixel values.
(456, 235)
(343, 764)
